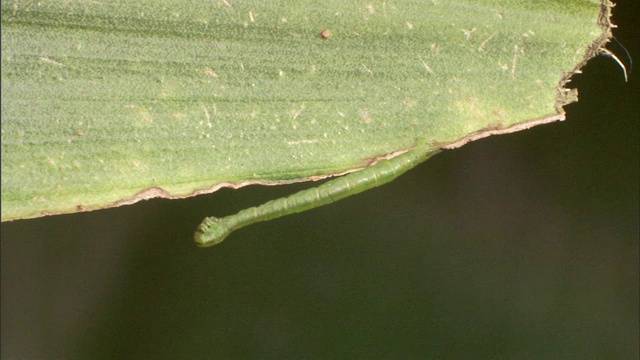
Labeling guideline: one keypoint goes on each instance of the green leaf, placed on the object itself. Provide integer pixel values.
(108, 103)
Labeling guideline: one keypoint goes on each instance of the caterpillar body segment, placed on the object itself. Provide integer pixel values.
(214, 230)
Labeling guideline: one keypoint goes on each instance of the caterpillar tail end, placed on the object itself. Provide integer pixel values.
(212, 231)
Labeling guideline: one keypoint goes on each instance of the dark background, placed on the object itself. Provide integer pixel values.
(522, 246)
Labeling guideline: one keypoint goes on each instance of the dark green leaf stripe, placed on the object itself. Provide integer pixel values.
(214, 230)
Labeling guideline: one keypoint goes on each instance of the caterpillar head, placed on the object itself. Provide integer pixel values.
(211, 232)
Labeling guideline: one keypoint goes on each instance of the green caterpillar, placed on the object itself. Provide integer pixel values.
(214, 230)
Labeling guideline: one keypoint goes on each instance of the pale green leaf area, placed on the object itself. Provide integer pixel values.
(102, 100)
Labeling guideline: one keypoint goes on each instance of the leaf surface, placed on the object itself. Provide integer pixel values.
(106, 103)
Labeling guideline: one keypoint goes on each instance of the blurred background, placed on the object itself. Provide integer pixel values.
(522, 246)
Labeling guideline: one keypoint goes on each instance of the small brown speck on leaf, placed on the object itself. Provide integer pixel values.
(325, 34)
